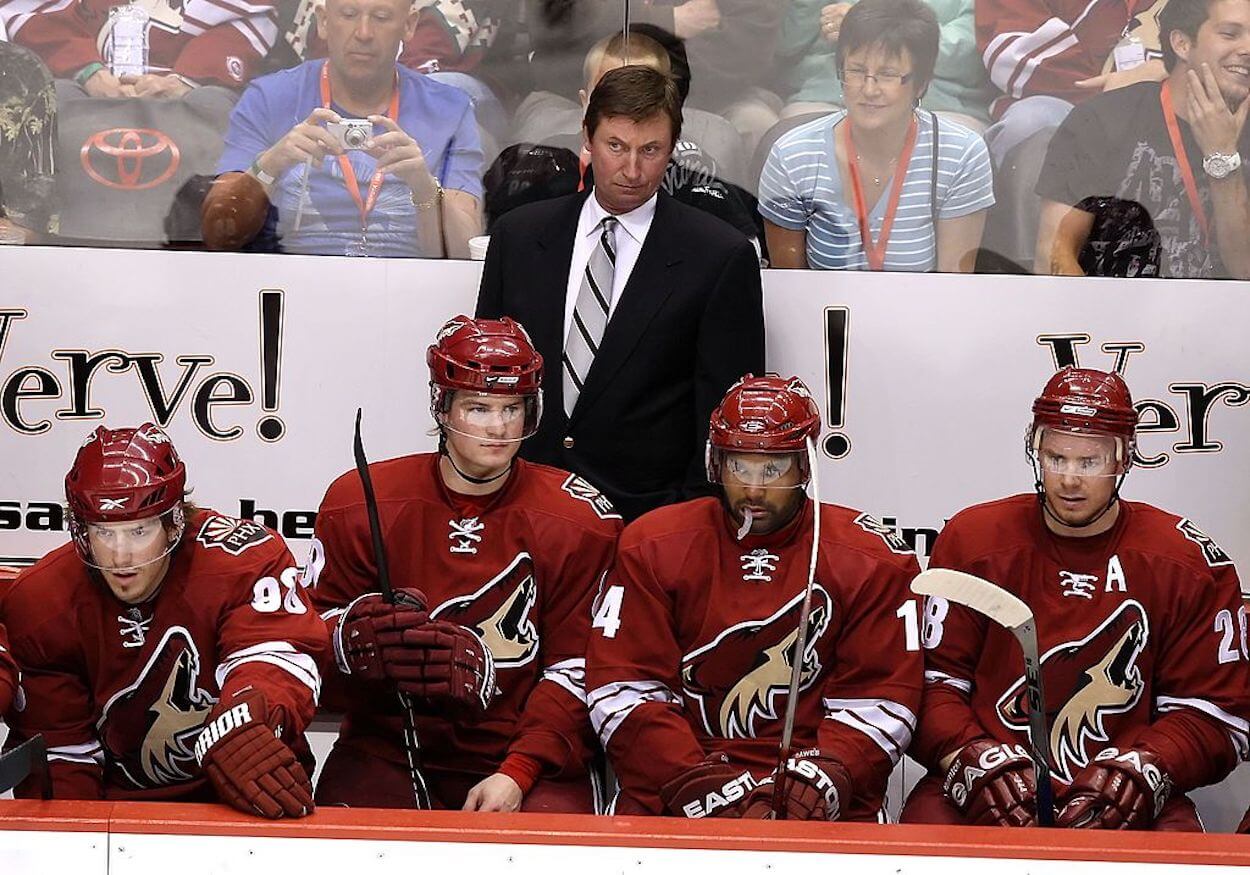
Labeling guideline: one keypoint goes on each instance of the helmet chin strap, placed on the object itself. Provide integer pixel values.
(1040, 489)
(469, 478)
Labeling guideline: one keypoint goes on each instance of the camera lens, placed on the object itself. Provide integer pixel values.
(354, 138)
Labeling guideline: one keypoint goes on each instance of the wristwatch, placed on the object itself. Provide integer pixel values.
(1218, 165)
(268, 180)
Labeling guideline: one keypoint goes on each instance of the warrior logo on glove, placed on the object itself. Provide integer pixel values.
(742, 677)
(500, 613)
(1086, 681)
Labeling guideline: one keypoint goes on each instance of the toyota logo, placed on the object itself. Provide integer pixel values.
(132, 159)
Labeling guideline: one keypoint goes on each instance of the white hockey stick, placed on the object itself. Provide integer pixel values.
(800, 641)
(1010, 612)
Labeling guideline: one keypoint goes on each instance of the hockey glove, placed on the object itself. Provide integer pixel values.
(1118, 790)
(247, 763)
(371, 627)
(444, 662)
(814, 787)
(713, 788)
(993, 784)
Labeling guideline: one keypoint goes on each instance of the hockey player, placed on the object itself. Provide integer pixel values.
(497, 561)
(8, 674)
(1139, 620)
(168, 652)
(695, 632)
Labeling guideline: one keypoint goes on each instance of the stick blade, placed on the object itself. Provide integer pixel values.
(974, 592)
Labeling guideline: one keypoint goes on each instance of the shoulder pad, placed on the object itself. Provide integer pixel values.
(893, 540)
(232, 535)
(581, 489)
(1211, 551)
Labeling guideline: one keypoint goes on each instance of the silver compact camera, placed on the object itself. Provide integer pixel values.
(351, 133)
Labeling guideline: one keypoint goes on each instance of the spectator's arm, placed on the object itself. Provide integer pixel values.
(958, 241)
(1232, 218)
(787, 248)
(462, 219)
(229, 53)
(965, 202)
(1061, 234)
(63, 38)
(462, 184)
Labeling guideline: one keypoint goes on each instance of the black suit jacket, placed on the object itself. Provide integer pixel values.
(689, 323)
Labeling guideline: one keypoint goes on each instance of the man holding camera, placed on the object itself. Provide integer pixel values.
(358, 155)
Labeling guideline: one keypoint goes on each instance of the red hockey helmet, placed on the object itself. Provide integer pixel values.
(1087, 401)
(768, 414)
(121, 475)
(488, 356)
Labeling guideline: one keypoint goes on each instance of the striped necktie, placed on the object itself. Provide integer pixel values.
(590, 314)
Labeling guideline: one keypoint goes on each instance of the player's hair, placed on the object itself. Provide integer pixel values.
(1183, 15)
(637, 93)
(641, 50)
(894, 25)
(678, 60)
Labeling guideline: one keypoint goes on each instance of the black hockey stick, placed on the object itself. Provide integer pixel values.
(1010, 612)
(30, 758)
(412, 744)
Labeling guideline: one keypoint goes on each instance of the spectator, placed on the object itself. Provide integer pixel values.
(930, 216)
(414, 184)
(191, 43)
(652, 307)
(27, 139)
(805, 55)
(1173, 148)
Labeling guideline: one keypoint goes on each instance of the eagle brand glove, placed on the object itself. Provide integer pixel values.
(713, 788)
(814, 787)
(1118, 790)
(248, 764)
(371, 627)
(443, 661)
(993, 784)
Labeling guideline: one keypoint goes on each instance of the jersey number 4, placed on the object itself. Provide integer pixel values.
(608, 614)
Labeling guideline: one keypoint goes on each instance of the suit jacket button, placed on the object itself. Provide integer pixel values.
(568, 443)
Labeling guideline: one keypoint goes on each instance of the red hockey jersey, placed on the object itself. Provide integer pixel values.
(8, 672)
(1141, 630)
(121, 691)
(519, 567)
(208, 41)
(693, 640)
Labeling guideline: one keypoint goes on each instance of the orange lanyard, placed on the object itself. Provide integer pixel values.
(349, 174)
(1182, 160)
(875, 249)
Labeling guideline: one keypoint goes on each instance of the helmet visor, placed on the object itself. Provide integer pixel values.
(755, 470)
(121, 547)
(490, 417)
(1079, 453)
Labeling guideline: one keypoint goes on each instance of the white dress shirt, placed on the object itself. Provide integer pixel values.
(631, 233)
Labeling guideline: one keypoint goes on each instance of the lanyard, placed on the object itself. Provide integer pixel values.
(875, 249)
(1182, 160)
(349, 174)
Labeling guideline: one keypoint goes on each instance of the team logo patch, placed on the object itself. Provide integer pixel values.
(234, 67)
(1086, 681)
(149, 728)
(500, 613)
(742, 678)
(1211, 551)
(233, 536)
(759, 565)
(448, 330)
(465, 534)
(581, 489)
(892, 538)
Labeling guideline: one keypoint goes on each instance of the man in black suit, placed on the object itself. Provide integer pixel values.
(648, 309)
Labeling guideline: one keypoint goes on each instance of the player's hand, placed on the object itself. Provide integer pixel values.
(248, 764)
(307, 141)
(444, 662)
(1215, 126)
(713, 788)
(993, 784)
(1118, 790)
(815, 788)
(1150, 71)
(831, 20)
(399, 155)
(495, 793)
(371, 628)
(694, 17)
(156, 85)
(104, 84)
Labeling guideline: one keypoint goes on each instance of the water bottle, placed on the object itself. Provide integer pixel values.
(127, 47)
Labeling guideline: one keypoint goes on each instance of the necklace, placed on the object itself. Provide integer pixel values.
(876, 180)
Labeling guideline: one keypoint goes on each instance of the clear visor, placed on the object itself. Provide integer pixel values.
(1079, 454)
(129, 546)
(758, 470)
(494, 418)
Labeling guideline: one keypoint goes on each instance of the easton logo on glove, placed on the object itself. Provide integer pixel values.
(732, 791)
(216, 729)
(803, 767)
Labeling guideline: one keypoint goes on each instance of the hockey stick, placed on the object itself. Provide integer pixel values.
(27, 759)
(1013, 614)
(800, 644)
(412, 744)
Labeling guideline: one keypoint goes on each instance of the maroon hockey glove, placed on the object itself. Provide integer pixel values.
(445, 662)
(815, 788)
(993, 784)
(248, 764)
(713, 788)
(1118, 790)
(371, 626)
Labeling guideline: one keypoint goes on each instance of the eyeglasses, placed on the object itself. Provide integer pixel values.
(858, 76)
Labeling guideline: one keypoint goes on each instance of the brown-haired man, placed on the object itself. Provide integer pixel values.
(652, 308)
